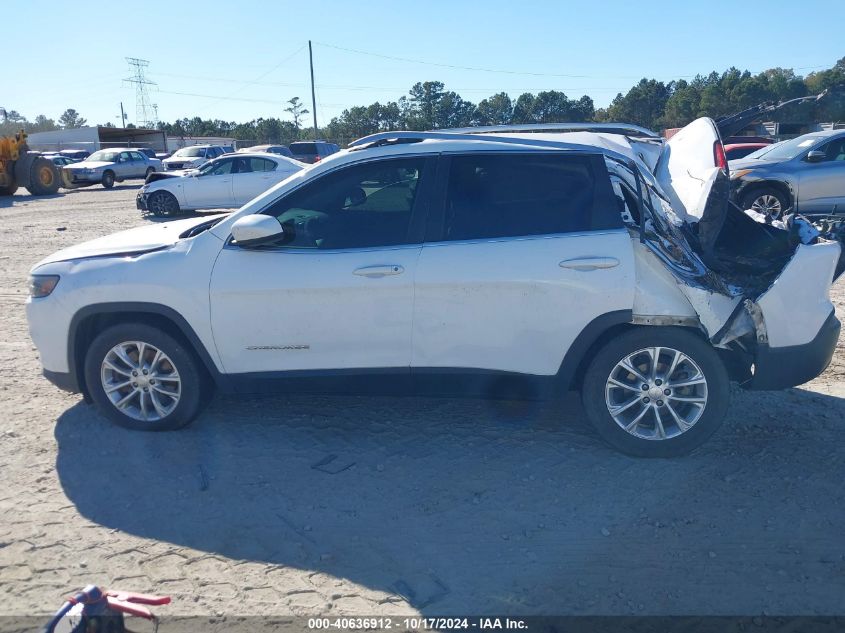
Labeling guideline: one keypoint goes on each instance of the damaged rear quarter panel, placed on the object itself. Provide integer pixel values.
(798, 302)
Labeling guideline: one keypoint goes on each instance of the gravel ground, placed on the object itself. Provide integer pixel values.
(432, 506)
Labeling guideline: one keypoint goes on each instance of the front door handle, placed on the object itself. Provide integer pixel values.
(379, 271)
(589, 263)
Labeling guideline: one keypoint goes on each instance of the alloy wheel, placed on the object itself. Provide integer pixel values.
(656, 393)
(141, 381)
(768, 205)
(163, 205)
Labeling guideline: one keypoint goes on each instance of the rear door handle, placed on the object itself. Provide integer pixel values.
(379, 271)
(589, 263)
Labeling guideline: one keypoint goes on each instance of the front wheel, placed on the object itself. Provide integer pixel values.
(163, 204)
(142, 378)
(44, 177)
(769, 201)
(108, 180)
(656, 392)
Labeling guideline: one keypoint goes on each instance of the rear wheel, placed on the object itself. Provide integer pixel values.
(163, 204)
(142, 378)
(44, 178)
(108, 180)
(656, 392)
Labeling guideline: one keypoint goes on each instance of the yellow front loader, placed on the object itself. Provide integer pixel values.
(19, 167)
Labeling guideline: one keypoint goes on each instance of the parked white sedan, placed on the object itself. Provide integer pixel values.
(226, 182)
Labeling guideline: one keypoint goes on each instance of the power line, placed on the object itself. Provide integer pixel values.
(260, 77)
(506, 72)
(351, 87)
(244, 99)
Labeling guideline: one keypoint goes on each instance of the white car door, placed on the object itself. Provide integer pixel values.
(338, 291)
(529, 250)
(256, 174)
(211, 186)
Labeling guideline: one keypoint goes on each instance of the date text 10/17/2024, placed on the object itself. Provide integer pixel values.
(411, 624)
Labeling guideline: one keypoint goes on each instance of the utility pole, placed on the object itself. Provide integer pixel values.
(313, 94)
(122, 116)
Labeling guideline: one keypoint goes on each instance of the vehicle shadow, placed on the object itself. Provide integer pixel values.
(467, 506)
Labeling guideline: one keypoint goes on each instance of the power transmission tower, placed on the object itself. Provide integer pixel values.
(144, 111)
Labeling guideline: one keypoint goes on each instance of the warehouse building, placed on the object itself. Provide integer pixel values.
(93, 138)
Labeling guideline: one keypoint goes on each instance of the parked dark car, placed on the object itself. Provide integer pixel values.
(59, 160)
(147, 151)
(281, 150)
(312, 151)
(76, 154)
(805, 174)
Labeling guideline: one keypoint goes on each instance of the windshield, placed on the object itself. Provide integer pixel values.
(104, 156)
(208, 166)
(786, 150)
(191, 152)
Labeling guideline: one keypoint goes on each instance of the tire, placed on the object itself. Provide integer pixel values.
(163, 204)
(44, 178)
(768, 200)
(108, 179)
(701, 419)
(153, 409)
(10, 189)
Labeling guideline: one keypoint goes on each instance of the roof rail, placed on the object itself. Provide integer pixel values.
(403, 137)
(626, 129)
(487, 133)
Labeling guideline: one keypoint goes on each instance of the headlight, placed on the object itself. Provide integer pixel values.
(41, 286)
(740, 173)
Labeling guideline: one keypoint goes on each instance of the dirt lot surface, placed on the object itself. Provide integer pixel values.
(426, 506)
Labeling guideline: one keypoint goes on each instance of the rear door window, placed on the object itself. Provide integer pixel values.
(261, 164)
(518, 194)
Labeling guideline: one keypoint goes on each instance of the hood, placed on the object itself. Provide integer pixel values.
(132, 242)
(182, 159)
(89, 165)
(749, 163)
(164, 175)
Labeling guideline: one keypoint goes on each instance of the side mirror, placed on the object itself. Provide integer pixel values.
(256, 230)
(816, 156)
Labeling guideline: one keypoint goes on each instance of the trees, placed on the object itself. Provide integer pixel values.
(644, 104)
(297, 110)
(70, 119)
(42, 124)
(494, 110)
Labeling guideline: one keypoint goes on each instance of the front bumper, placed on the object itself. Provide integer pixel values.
(783, 367)
(141, 201)
(76, 177)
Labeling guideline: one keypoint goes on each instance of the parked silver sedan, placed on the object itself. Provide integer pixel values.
(107, 166)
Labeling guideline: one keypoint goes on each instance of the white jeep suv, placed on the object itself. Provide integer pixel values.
(496, 262)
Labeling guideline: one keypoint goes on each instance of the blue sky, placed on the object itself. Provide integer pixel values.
(242, 59)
